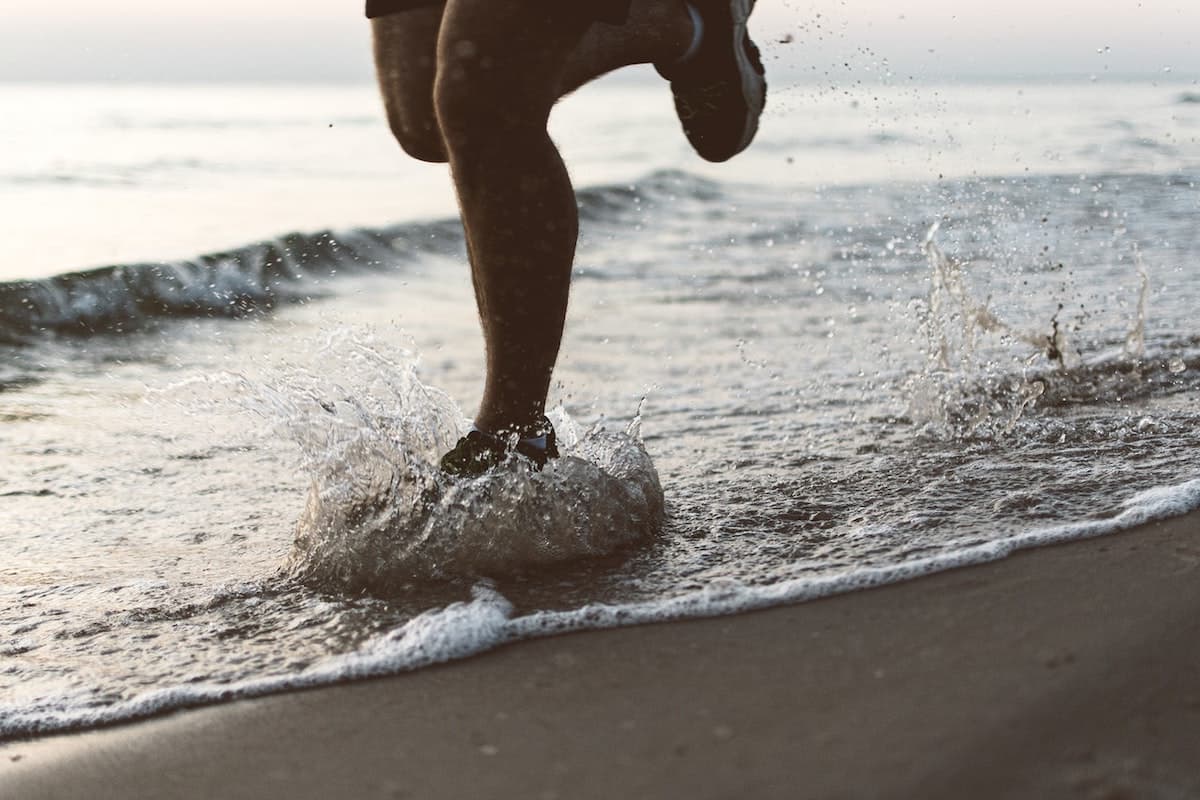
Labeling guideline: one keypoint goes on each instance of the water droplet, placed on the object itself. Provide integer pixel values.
(1176, 365)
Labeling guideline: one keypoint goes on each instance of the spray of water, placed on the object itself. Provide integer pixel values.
(1135, 340)
(962, 392)
(381, 516)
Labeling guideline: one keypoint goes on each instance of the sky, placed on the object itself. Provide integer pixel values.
(327, 40)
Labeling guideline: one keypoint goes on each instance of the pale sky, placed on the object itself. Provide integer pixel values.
(306, 40)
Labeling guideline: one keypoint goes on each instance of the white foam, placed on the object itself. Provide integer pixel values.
(486, 621)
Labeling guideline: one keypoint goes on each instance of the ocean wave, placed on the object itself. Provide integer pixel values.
(261, 276)
(614, 203)
(301, 266)
(234, 283)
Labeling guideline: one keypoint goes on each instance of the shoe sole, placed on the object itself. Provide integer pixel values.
(754, 85)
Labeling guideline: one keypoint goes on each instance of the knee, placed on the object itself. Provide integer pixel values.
(461, 113)
(473, 116)
(405, 65)
(418, 135)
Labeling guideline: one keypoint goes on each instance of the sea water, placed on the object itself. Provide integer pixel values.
(914, 327)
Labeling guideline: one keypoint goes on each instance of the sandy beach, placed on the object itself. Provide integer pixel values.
(1069, 671)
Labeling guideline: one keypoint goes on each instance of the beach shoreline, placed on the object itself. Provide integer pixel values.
(1065, 671)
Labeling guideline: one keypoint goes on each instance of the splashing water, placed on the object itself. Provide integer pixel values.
(964, 389)
(1135, 340)
(381, 516)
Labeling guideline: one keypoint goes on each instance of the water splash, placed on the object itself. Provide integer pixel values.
(955, 318)
(1135, 340)
(381, 516)
(966, 389)
(958, 392)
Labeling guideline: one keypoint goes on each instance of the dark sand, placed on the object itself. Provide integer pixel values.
(1070, 671)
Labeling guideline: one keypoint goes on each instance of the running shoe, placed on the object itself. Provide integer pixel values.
(479, 451)
(721, 88)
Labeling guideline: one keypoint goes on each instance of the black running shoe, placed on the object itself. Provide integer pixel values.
(478, 451)
(721, 89)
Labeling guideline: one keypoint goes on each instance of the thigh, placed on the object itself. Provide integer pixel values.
(380, 8)
(405, 45)
(505, 57)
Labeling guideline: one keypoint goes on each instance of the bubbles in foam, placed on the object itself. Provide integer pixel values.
(380, 515)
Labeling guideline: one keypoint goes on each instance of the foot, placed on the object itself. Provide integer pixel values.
(720, 87)
(479, 451)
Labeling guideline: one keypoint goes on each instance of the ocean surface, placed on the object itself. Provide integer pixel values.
(913, 327)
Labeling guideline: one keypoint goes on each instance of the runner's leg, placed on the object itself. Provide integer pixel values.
(405, 46)
(497, 77)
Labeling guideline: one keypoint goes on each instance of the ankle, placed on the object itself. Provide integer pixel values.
(535, 439)
(530, 429)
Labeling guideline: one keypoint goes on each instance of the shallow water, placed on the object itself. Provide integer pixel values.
(218, 470)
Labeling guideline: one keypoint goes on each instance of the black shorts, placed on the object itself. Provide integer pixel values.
(610, 11)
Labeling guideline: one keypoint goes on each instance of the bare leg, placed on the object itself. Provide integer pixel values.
(405, 47)
(498, 76)
(405, 64)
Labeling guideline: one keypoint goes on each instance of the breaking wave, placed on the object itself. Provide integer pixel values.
(258, 277)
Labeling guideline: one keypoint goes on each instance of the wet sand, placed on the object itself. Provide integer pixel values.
(1068, 671)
